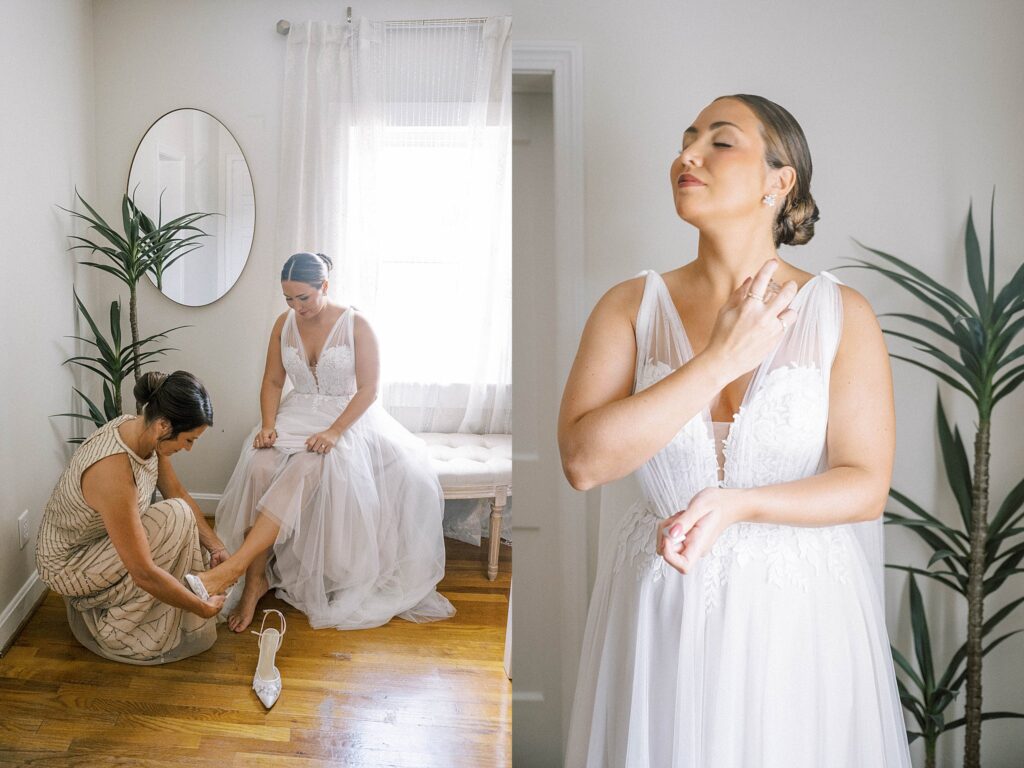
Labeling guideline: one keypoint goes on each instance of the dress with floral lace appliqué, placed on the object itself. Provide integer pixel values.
(361, 538)
(772, 652)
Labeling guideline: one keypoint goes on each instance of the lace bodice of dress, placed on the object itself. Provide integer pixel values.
(777, 435)
(334, 373)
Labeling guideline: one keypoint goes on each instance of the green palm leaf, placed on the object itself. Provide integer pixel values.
(1013, 502)
(912, 287)
(975, 272)
(954, 457)
(925, 281)
(939, 576)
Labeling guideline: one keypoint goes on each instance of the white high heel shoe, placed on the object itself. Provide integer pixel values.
(267, 679)
(197, 588)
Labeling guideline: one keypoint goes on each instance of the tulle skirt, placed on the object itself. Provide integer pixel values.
(768, 654)
(360, 539)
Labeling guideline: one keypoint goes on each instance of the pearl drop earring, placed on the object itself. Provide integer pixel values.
(769, 200)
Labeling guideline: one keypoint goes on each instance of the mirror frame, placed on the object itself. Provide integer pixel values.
(252, 183)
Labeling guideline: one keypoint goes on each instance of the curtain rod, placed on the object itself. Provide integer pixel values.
(284, 26)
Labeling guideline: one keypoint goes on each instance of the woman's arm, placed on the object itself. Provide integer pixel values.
(172, 488)
(604, 432)
(367, 365)
(109, 487)
(861, 440)
(270, 390)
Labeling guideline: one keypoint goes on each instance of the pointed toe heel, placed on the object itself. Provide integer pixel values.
(267, 679)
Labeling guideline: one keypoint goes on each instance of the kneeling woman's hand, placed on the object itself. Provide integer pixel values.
(211, 607)
(688, 535)
(322, 442)
(218, 554)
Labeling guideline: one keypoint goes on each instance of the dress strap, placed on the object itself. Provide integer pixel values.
(661, 342)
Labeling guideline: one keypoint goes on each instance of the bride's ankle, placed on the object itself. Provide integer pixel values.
(221, 577)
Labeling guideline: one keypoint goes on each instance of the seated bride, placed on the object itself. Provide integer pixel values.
(332, 503)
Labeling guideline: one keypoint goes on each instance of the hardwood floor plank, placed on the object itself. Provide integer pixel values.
(404, 695)
(205, 727)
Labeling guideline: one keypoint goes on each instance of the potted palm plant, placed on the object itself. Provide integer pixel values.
(143, 247)
(968, 343)
(112, 361)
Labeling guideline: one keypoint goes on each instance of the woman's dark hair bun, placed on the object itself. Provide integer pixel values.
(326, 260)
(178, 397)
(148, 385)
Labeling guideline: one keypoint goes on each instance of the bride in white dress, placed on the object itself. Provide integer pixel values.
(332, 502)
(737, 617)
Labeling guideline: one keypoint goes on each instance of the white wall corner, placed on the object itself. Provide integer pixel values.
(18, 611)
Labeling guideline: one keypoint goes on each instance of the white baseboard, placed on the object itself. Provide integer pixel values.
(19, 609)
(207, 502)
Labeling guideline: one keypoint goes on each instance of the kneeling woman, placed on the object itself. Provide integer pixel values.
(118, 560)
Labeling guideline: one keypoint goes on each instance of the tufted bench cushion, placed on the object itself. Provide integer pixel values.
(475, 467)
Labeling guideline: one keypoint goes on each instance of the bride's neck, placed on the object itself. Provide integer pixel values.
(726, 258)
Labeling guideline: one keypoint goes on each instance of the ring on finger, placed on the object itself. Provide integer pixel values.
(752, 295)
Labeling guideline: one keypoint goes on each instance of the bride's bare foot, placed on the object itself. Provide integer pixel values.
(256, 586)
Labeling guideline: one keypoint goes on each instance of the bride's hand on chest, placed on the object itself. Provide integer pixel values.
(751, 322)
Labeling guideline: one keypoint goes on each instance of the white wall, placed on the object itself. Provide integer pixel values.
(46, 132)
(910, 109)
(224, 57)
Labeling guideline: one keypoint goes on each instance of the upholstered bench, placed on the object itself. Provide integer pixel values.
(475, 467)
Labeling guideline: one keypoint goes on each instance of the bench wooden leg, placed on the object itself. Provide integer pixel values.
(497, 509)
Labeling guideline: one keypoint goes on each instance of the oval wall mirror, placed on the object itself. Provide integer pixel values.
(188, 162)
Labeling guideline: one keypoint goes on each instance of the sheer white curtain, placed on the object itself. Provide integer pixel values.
(396, 157)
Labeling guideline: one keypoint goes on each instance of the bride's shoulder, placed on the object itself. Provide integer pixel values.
(279, 323)
(621, 301)
(361, 325)
(856, 307)
(357, 316)
(854, 303)
(626, 294)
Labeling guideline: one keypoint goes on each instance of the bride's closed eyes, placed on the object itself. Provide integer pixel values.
(714, 144)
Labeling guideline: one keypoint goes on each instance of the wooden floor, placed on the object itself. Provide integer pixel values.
(403, 695)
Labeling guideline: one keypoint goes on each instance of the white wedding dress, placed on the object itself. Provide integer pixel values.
(360, 538)
(773, 652)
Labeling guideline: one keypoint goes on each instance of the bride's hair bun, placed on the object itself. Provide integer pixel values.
(795, 225)
(306, 267)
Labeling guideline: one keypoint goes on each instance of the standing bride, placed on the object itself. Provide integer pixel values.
(337, 503)
(737, 616)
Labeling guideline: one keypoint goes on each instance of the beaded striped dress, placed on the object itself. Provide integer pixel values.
(108, 613)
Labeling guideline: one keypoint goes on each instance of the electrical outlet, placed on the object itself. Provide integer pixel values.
(23, 529)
